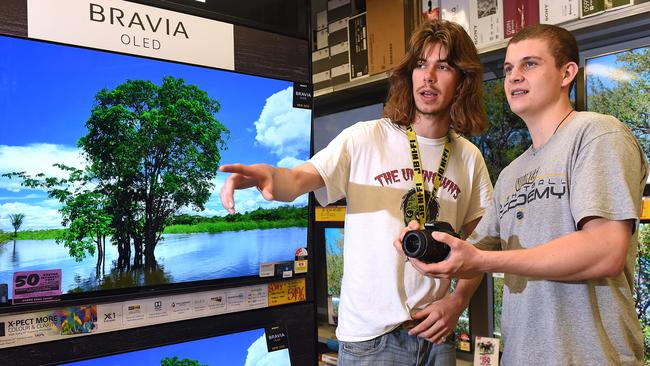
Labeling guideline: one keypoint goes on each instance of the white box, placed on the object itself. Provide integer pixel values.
(321, 38)
(321, 20)
(558, 11)
(456, 11)
(486, 21)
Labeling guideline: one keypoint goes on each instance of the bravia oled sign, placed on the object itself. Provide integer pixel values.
(133, 28)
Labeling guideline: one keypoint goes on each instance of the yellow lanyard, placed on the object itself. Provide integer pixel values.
(417, 172)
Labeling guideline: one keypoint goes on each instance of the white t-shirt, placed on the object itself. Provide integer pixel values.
(370, 165)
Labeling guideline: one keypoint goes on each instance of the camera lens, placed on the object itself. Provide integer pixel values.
(414, 243)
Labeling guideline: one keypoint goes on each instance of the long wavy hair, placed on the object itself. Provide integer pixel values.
(468, 109)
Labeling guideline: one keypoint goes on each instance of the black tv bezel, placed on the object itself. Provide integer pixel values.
(122, 294)
(296, 319)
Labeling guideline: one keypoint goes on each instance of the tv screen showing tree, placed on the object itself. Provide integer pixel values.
(243, 348)
(108, 168)
(617, 84)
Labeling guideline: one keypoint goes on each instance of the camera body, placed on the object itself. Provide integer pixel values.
(419, 244)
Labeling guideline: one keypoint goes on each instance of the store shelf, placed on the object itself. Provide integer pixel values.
(613, 26)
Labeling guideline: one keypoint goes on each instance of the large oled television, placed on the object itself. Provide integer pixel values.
(247, 348)
(108, 168)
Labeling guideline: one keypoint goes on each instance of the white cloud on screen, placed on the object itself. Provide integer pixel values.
(34, 159)
(258, 355)
(283, 129)
(37, 217)
(609, 72)
(289, 162)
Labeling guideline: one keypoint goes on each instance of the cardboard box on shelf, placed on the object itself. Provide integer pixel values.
(340, 74)
(320, 61)
(486, 21)
(338, 32)
(616, 4)
(589, 8)
(339, 54)
(456, 11)
(558, 11)
(358, 50)
(338, 9)
(321, 39)
(321, 20)
(322, 80)
(518, 14)
(430, 10)
(386, 33)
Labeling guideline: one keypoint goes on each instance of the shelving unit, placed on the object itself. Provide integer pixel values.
(614, 26)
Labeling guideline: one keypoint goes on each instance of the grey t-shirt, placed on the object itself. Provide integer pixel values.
(591, 167)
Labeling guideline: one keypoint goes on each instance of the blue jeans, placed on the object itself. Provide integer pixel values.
(397, 348)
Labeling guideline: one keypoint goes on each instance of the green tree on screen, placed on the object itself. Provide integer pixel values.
(506, 136)
(175, 361)
(625, 95)
(626, 98)
(153, 150)
(16, 221)
(642, 285)
(335, 269)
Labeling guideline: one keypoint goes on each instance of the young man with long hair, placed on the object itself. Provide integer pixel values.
(386, 169)
(562, 224)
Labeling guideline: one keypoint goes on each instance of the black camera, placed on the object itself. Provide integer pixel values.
(419, 244)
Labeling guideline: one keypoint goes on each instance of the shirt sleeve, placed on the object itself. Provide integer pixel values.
(607, 177)
(481, 191)
(333, 165)
(487, 236)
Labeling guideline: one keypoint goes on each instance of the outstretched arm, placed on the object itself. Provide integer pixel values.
(279, 184)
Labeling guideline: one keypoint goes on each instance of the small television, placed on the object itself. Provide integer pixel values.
(241, 348)
(334, 264)
(282, 335)
(108, 168)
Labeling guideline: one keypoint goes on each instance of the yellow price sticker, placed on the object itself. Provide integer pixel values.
(287, 292)
(336, 213)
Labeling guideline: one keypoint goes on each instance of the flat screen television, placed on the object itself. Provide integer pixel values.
(245, 348)
(617, 84)
(108, 168)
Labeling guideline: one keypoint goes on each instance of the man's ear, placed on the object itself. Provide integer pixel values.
(570, 72)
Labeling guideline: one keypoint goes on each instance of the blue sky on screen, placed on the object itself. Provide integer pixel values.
(607, 70)
(244, 348)
(47, 91)
(332, 235)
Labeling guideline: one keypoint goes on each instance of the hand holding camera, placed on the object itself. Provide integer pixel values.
(421, 245)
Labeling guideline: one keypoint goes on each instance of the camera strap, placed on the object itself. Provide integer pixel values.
(417, 172)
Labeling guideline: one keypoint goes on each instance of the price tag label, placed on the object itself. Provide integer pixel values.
(287, 292)
(36, 286)
(336, 213)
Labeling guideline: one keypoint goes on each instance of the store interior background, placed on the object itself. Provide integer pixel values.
(614, 78)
